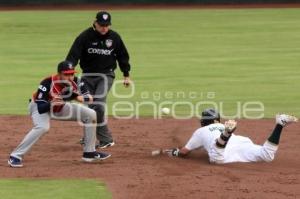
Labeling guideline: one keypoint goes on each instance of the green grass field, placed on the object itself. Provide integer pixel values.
(49, 189)
(239, 55)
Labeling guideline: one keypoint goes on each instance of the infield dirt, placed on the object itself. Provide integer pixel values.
(133, 173)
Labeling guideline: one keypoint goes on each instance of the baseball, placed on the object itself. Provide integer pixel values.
(156, 152)
(165, 111)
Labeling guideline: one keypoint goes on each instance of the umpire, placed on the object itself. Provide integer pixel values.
(99, 49)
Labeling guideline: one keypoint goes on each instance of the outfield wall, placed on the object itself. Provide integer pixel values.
(22, 2)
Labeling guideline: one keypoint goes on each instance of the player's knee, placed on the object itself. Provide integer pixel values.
(269, 157)
(42, 128)
(269, 151)
(91, 116)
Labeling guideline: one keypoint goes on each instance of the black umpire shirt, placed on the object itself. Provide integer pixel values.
(99, 53)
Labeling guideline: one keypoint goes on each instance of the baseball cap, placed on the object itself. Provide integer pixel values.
(66, 67)
(103, 18)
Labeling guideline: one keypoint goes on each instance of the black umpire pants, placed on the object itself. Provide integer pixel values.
(99, 85)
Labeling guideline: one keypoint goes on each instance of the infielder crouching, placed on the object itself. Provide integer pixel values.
(52, 101)
(223, 146)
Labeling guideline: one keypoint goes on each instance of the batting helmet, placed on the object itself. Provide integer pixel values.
(209, 116)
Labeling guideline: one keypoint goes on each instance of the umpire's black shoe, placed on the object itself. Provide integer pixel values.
(103, 145)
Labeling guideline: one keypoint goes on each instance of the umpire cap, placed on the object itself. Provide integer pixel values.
(103, 18)
(209, 116)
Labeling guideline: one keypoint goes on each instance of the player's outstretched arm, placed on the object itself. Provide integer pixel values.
(182, 152)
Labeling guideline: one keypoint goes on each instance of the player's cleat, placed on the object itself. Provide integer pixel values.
(104, 145)
(95, 156)
(283, 119)
(15, 162)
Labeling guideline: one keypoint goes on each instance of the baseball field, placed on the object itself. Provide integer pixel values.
(244, 62)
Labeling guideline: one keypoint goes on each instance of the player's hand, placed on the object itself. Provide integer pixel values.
(84, 98)
(126, 81)
(57, 100)
(90, 98)
(172, 152)
(75, 94)
(67, 92)
(230, 126)
(80, 98)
